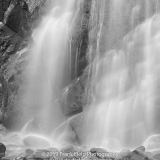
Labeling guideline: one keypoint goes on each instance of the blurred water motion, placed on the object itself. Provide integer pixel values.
(47, 72)
(126, 108)
(124, 56)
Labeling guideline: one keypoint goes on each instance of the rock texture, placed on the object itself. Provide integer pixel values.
(2, 150)
(70, 152)
(17, 20)
(80, 38)
(77, 95)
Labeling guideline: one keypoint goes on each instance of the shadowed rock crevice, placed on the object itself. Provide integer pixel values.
(80, 39)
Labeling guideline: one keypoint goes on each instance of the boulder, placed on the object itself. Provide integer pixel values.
(76, 95)
(141, 149)
(41, 154)
(124, 152)
(137, 157)
(2, 150)
(5, 158)
(36, 142)
(29, 151)
(68, 149)
(149, 154)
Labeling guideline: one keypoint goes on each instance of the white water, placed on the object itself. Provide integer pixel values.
(48, 69)
(47, 73)
(125, 110)
(126, 107)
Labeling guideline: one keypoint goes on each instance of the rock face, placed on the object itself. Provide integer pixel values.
(80, 38)
(17, 20)
(76, 96)
(2, 150)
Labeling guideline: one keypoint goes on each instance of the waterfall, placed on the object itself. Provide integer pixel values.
(125, 76)
(114, 59)
(47, 73)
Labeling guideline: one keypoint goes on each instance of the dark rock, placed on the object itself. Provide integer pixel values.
(68, 149)
(5, 4)
(42, 154)
(76, 96)
(92, 157)
(5, 158)
(134, 155)
(93, 150)
(137, 157)
(141, 149)
(29, 157)
(2, 150)
(9, 43)
(80, 39)
(16, 25)
(140, 154)
(11, 157)
(53, 149)
(1, 11)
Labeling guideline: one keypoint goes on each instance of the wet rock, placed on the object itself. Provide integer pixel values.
(5, 158)
(16, 25)
(89, 157)
(141, 149)
(29, 157)
(124, 152)
(36, 142)
(11, 157)
(140, 154)
(136, 157)
(13, 76)
(2, 155)
(77, 95)
(80, 39)
(93, 150)
(3, 129)
(20, 157)
(32, 4)
(156, 157)
(149, 154)
(68, 149)
(2, 150)
(29, 151)
(78, 124)
(53, 149)
(103, 153)
(41, 154)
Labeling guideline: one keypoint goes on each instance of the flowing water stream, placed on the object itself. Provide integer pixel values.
(125, 111)
(125, 71)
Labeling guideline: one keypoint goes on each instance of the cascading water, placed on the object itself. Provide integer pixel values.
(123, 77)
(47, 74)
(125, 109)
